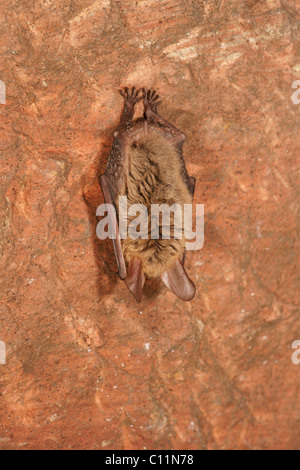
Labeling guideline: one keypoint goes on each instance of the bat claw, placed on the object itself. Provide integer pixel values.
(150, 100)
(131, 96)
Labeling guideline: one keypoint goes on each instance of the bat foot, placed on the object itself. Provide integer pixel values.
(150, 101)
(131, 96)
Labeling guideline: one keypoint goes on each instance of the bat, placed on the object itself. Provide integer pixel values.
(146, 165)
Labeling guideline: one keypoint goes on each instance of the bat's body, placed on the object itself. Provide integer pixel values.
(146, 165)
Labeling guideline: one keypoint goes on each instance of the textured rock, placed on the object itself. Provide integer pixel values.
(87, 367)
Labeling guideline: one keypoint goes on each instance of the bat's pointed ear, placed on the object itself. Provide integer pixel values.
(177, 280)
(135, 279)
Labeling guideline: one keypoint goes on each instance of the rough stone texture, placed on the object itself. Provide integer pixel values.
(87, 367)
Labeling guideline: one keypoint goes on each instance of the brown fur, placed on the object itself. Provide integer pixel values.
(154, 176)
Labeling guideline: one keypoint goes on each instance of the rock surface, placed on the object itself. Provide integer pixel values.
(86, 367)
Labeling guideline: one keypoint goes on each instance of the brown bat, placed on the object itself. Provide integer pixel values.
(146, 165)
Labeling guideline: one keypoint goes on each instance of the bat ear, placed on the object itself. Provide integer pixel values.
(177, 280)
(135, 279)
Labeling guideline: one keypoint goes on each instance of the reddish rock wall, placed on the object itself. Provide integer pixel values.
(87, 367)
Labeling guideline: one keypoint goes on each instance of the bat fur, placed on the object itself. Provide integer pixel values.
(154, 176)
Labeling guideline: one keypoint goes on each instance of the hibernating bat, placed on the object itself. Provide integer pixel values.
(146, 165)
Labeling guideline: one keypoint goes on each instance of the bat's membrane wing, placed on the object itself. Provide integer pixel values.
(191, 185)
(135, 279)
(109, 199)
(177, 280)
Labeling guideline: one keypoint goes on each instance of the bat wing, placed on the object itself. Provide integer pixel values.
(106, 187)
(177, 280)
(135, 279)
(191, 185)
